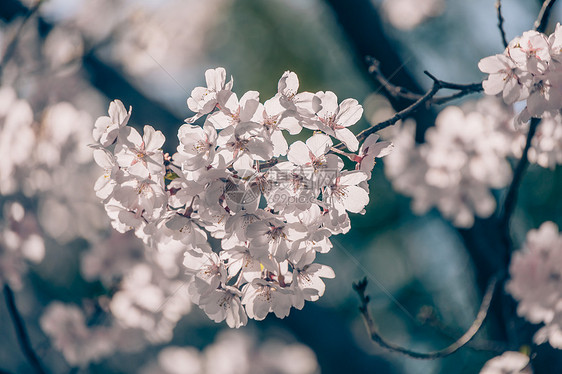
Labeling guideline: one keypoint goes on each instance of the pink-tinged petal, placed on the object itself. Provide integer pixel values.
(244, 162)
(153, 139)
(491, 64)
(228, 102)
(347, 138)
(280, 145)
(109, 136)
(334, 162)
(349, 113)
(118, 113)
(288, 84)
(319, 144)
(291, 124)
(104, 186)
(249, 103)
(101, 125)
(381, 149)
(323, 271)
(536, 104)
(260, 149)
(371, 140)
(325, 104)
(303, 101)
(273, 106)
(220, 120)
(131, 136)
(355, 199)
(103, 159)
(299, 154)
(511, 91)
(215, 78)
(352, 178)
(494, 84)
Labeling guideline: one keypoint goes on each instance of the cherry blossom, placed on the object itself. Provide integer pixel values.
(230, 181)
(536, 281)
(106, 128)
(529, 69)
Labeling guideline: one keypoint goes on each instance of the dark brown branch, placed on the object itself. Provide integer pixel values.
(401, 92)
(422, 100)
(500, 23)
(21, 332)
(544, 14)
(401, 114)
(360, 288)
(511, 197)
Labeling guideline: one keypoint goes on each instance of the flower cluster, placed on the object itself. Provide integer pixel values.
(536, 282)
(145, 299)
(462, 158)
(43, 164)
(236, 352)
(529, 69)
(272, 205)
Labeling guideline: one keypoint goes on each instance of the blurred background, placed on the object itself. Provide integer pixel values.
(151, 54)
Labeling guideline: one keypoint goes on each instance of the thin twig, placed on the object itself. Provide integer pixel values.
(11, 47)
(395, 91)
(21, 332)
(423, 99)
(511, 197)
(544, 14)
(401, 92)
(360, 288)
(500, 23)
(398, 116)
(478, 345)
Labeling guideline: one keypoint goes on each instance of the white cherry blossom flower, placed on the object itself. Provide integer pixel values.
(232, 111)
(107, 128)
(141, 156)
(504, 77)
(197, 146)
(371, 149)
(262, 297)
(335, 119)
(204, 99)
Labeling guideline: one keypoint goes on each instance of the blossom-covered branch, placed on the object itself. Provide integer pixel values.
(361, 286)
(273, 205)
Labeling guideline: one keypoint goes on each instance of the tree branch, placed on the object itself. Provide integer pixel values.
(510, 200)
(423, 99)
(544, 14)
(401, 92)
(21, 332)
(360, 288)
(500, 23)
